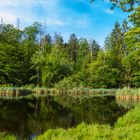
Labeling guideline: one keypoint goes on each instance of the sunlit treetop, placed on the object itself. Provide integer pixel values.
(125, 5)
(135, 17)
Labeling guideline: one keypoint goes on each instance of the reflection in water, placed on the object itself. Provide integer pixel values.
(128, 103)
(30, 116)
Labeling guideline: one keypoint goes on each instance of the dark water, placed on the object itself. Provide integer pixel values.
(30, 116)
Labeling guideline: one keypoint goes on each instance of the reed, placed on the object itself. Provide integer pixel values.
(125, 93)
(128, 93)
(14, 91)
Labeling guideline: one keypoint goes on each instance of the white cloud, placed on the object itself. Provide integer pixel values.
(83, 22)
(108, 1)
(25, 2)
(56, 22)
(8, 3)
(8, 17)
(10, 10)
(109, 11)
(29, 11)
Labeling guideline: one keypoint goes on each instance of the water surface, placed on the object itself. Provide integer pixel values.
(29, 116)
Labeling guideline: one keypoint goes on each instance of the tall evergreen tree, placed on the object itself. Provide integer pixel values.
(132, 39)
(58, 40)
(94, 49)
(73, 47)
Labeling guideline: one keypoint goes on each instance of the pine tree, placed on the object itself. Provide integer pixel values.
(73, 47)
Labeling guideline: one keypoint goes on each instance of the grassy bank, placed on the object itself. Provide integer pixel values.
(126, 128)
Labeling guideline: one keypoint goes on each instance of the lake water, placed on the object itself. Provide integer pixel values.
(30, 116)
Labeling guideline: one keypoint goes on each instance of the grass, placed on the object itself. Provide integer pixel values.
(81, 132)
(4, 136)
(126, 128)
(131, 118)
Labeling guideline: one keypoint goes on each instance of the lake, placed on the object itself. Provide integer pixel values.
(30, 116)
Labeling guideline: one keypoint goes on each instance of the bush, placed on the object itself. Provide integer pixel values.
(130, 119)
(81, 132)
(66, 83)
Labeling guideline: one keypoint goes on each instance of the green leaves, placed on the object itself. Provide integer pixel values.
(135, 17)
(53, 66)
(125, 5)
(132, 40)
(11, 64)
(29, 56)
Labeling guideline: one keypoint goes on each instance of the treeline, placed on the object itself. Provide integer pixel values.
(28, 57)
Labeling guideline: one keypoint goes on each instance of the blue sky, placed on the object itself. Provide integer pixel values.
(92, 21)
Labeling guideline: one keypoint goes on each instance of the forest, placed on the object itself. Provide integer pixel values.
(32, 57)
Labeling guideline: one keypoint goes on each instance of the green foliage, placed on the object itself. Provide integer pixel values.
(125, 5)
(11, 65)
(15, 54)
(31, 32)
(10, 35)
(56, 67)
(66, 83)
(135, 17)
(73, 48)
(128, 127)
(81, 132)
(130, 119)
(4, 136)
(132, 60)
(31, 57)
